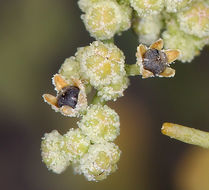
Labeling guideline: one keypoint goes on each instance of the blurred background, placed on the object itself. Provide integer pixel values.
(35, 38)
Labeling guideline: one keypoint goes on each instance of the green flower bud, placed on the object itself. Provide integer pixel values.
(195, 20)
(114, 90)
(147, 7)
(84, 5)
(126, 14)
(174, 6)
(99, 162)
(103, 19)
(70, 68)
(188, 45)
(76, 144)
(148, 28)
(102, 63)
(52, 152)
(101, 123)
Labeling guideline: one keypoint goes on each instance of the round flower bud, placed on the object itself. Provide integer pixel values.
(100, 123)
(104, 19)
(76, 144)
(188, 45)
(52, 152)
(114, 90)
(102, 63)
(70, 68)
(148, 28)
(147, 7)
(174, 6)
(85, 4)
(195, 20)
(126, 14)
(99, 162)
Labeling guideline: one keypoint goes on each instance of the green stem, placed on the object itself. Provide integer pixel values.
(186, 134)
(97, 100)
(132, 70)
(111, 40)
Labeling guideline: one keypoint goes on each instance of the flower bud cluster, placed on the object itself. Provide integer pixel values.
(104, 66)
(88, 148)
(104, 19)
(183, 26)
(188, 45)
(189, 17)
(58, 151)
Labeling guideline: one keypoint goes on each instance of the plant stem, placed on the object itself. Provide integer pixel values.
(111, 40)
(186, 134)
(132, 70)
(98, 100)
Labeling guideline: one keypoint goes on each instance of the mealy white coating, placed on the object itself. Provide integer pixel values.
(174, 6)
(147, 7)
(52, 154)
(101, 123)
(102, 57)
(114, 90)
(92, 165)
(103, 19)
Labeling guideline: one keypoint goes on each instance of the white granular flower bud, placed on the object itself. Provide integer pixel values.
(84, 5)
(148, 28)
(174, 6)
(99, 162)
(52, 152)
(76, 144)
(147, 7)
(70, 68)
(114, 90)
(195, 20)
(126, 14)
(188, 45)
(103, 19)
(100, 123)
(102, 63)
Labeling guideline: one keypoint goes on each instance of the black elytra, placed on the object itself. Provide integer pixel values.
(155, 61)
(68, 96)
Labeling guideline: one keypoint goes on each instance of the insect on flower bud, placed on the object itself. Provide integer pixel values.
(101, 123)
(99, 162)
(68, 97)
(154, 61)
(71, 96)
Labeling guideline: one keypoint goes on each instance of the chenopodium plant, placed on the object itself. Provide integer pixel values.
(182, 26)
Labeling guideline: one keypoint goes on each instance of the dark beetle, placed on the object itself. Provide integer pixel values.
(68, 96)
(155, 61)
